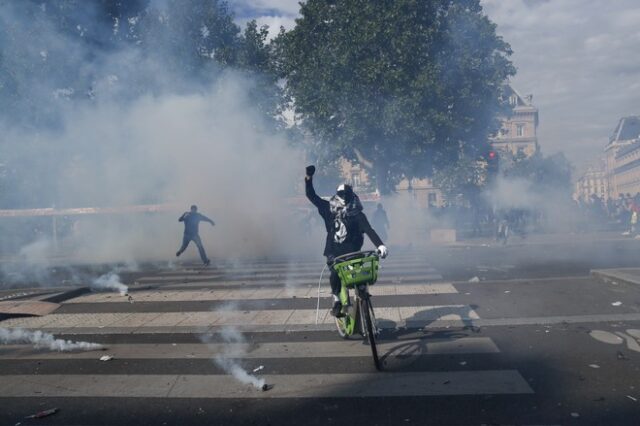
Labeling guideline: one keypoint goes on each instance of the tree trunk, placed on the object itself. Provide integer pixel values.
(384, 186)
(378, 170)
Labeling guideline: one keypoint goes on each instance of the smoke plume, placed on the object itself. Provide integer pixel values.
(40, 339)
(109, 281)
(226, 359)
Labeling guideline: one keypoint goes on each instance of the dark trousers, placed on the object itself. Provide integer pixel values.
(186, 239)
(336, 284)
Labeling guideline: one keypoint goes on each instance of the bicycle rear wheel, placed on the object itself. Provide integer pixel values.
(365, 309)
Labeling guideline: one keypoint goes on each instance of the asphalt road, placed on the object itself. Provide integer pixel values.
(532, 339)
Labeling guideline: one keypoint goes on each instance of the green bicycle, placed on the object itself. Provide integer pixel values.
(358, 271)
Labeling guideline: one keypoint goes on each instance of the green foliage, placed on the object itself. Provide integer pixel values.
(409, 85)
(189, 34)
(67, 52)
(464, 178)
(255, 57)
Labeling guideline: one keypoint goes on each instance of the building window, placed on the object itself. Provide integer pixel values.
(432, 199)
(513, 100)
(519, 130)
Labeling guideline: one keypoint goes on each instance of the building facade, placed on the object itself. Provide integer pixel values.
(592, 182)
(518, 133)
(622, 158)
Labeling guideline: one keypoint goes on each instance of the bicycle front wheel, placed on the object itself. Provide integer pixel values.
(365, 310)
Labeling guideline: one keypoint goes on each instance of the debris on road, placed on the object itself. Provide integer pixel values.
(266, 387)
(463, 363)
(507, 291)
(42, 414)
(616, 303)
(255, 370)
(594, 366)
(575, 415)
(621, 356)
(106, 358)
(474, 280)
(632, 398)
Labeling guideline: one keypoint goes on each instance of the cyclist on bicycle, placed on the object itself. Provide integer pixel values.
(345, 224)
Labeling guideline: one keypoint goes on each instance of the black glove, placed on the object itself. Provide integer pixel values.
(310, 170)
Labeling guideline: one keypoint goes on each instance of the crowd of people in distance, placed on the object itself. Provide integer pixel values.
(619, 214)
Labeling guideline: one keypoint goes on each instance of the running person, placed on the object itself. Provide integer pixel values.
(345, 224)
(191, 221)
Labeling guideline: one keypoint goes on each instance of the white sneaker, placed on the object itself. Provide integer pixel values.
(626, 233)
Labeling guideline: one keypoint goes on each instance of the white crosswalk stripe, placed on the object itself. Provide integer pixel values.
(293, 386)
(100, 318)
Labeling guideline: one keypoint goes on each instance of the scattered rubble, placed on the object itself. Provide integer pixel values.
(42, 414)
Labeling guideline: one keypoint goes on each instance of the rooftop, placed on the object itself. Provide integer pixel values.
(628, 128)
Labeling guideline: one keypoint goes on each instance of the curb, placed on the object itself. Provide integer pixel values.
(618, 275)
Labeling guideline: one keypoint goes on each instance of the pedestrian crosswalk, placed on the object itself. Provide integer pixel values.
(164, 341)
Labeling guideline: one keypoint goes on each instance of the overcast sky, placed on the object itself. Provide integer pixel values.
(579, 58)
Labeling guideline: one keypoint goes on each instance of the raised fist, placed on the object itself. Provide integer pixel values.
(310, 170)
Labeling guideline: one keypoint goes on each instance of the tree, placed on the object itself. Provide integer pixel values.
(405, 86)
(466, 177)
(189, 35)
(255, 57)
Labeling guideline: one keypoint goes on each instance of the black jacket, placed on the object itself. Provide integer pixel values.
(356, 225)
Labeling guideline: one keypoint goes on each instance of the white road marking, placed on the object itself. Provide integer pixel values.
(285, 386)
(338, 348)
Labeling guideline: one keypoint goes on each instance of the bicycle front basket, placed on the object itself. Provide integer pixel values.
(358, 271)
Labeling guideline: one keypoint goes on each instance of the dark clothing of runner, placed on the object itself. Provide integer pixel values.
(355, 225)
(381, 222)
(191, 221)
(186, 239)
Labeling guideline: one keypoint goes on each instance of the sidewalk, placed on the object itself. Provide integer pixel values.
(625, 275)
(544, 239)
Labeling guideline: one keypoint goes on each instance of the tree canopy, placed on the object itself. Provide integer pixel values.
(402, 85)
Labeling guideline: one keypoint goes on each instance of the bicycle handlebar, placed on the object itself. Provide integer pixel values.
(354, 255)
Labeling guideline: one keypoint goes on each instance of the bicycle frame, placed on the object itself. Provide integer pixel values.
(351, 311)
(358, 271)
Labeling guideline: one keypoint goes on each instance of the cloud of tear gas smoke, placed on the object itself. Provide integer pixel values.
(552, 206)
(225, 359)
(40, 339)
(168, 141)
(513, 193)
(109, 281)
